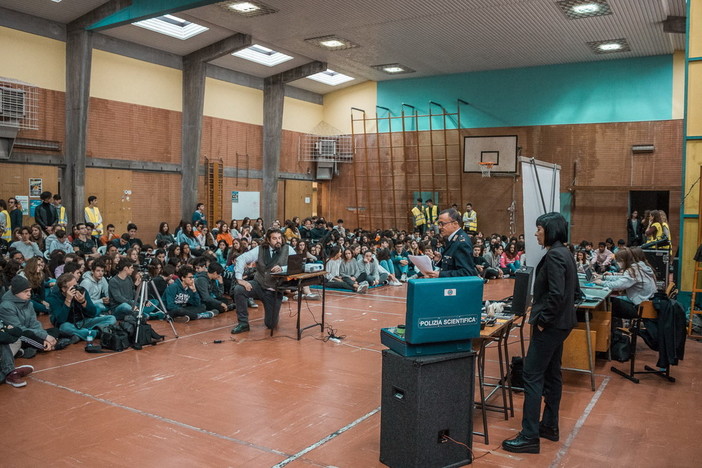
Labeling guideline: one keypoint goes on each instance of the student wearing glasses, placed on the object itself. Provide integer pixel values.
(457, 257)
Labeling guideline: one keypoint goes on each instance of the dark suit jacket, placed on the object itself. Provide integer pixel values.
(556, 290)
(457, 258)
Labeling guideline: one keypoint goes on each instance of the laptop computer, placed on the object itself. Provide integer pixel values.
(295, 264)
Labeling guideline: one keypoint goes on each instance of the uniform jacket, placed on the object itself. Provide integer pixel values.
(457, 257)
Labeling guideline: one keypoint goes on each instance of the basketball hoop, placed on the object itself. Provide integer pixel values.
(486, 167)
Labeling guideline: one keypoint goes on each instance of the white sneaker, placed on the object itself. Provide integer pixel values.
(362, 288)
(285, 298)
(395, 283)
(312, 297)
(403, 278)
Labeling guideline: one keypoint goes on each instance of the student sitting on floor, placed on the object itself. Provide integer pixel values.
(182, 300)
(9, 345)
(72, 311)
(400, 261)
(384, 262)
(369, 267)
(209, 284)
(348, 280)
(17, 310)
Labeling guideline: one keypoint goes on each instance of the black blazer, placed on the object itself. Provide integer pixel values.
(457, 258)
(556, 290)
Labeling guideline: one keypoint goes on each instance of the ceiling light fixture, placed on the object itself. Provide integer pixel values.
(244, 7)
(248, 9)
(332, 42)
(263, 55)
(577, 9)
(172, 26)
(610, 46)
(393, 68)
(330, 77)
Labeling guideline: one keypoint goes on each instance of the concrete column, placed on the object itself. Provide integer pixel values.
(193, 103)
(273, 99)
(194, 72)
(78, 66)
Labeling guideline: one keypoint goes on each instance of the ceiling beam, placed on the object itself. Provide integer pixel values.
(300, 72)
(219, 49)
(144, 9)
(103, 11)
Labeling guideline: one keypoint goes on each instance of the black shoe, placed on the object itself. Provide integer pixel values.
(521, 444)
(29, 353)
(549, 433)
(241, 328)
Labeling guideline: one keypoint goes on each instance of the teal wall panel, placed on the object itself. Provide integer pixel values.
(627, 90)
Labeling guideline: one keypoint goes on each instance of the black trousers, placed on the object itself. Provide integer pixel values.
(272, 301)
(542, 377)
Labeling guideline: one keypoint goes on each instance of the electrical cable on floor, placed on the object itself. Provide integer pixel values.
(472, 457)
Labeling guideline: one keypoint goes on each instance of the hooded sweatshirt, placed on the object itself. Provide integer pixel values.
(20, 314)
(96, 289)
(639, 285)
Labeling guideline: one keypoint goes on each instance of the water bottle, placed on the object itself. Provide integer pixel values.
(90, 337)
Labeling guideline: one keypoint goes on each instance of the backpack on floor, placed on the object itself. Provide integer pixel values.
(147, 335)
(114, 337)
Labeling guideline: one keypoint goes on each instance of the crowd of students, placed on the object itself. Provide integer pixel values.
(90, 278)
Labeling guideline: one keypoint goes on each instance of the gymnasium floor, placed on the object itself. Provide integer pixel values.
(256, 401)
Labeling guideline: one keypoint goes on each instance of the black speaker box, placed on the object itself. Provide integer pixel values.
(521, 297)
(424, 397)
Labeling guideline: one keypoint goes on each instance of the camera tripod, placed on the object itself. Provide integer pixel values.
(143, 295)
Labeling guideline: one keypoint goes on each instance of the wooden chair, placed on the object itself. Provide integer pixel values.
(646, 311)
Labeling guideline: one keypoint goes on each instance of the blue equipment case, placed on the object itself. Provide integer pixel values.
(442, 316)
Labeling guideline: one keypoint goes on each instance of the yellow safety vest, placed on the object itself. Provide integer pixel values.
(470, 221)
(418, 216)
(92, 215)
(432, 214)
(62, 219)
(7, 234)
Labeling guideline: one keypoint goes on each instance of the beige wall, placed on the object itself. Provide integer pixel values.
(34, 59)
(337, 106)
(241, 104)
(678, 111)
(125, 79)
(233, 102)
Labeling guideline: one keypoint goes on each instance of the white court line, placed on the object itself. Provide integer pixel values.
(326, 439)
(579, 424)
(164, 419)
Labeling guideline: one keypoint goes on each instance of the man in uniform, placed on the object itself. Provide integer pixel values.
(457, 258)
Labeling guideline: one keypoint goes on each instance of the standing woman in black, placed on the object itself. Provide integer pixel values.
(552, 318)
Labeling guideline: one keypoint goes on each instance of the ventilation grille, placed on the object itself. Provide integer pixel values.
(18, 104)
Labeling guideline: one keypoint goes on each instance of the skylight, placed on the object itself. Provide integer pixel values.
(330, 77)
(172, 26)
(263, 55)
